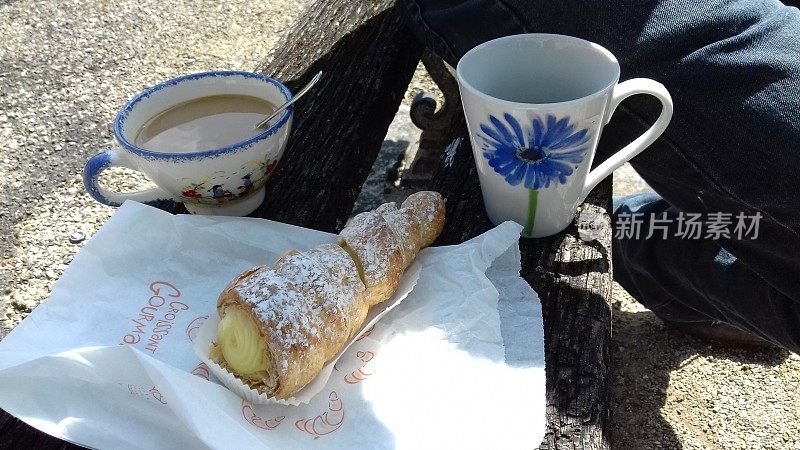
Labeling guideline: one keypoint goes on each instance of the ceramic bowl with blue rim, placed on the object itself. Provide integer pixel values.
(218, 181)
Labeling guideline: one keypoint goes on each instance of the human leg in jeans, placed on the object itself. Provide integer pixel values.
(733, 147)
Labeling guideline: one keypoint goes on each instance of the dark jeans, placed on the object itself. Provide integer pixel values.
(733, 146)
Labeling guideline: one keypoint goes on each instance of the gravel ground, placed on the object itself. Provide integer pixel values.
(672, 391)
(66, 67)
(64, 73)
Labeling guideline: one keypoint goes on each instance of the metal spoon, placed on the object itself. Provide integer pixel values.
(299, 94)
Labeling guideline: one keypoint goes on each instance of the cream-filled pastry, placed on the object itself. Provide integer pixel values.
(280, 325)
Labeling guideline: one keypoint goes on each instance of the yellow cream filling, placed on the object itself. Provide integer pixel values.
(241, 343)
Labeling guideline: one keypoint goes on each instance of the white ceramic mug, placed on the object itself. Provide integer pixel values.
(220, 181)
(535, 106)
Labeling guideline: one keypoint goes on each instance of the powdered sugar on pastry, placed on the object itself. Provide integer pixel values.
(428, 207)
(405, 227)
(276, 301)
(310, 303)
(341, 272)
(377, 253)
(334, 298)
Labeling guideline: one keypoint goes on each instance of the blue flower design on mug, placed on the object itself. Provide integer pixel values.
(545, 153)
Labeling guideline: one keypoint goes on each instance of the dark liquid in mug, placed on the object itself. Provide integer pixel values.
(205, 123)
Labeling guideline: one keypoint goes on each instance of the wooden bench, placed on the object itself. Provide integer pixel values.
(369, 58)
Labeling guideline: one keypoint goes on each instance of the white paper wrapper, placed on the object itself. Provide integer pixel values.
(457, 364)
(207, 334)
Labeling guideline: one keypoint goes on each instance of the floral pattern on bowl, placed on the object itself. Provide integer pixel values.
(221, 187)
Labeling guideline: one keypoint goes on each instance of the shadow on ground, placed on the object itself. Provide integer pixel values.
(645, 353)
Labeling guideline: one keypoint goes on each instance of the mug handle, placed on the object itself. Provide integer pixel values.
(116, 157)
(621, 92)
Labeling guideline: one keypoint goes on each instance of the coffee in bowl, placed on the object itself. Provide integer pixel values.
(193, 137)
(204, 123)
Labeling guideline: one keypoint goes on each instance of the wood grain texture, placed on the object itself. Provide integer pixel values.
(368, 58)
(573, 279)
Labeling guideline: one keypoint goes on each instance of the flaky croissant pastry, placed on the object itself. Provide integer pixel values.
(280, 325)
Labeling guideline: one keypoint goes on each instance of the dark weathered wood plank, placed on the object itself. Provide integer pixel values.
(573, 279)
(16, 434)
(575, 286)
(368, 58)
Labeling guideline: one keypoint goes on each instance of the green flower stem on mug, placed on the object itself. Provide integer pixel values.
(532, 196)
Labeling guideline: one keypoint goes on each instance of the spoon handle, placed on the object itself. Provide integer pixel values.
(299, 94)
